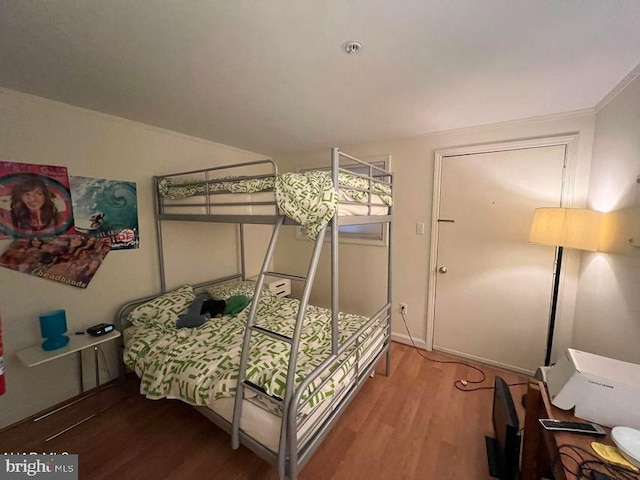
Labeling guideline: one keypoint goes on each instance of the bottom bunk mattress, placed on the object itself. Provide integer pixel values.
(200, 365)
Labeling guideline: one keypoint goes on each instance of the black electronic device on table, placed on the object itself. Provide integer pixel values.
(100, 329)
(503, 451)
(586, 428)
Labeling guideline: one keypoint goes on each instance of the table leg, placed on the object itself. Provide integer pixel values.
(31, 359)
(68, 404)
(95, 353)
(80, 372)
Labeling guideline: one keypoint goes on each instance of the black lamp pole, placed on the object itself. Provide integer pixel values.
(554, 305)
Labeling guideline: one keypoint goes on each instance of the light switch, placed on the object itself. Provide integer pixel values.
(419, 228)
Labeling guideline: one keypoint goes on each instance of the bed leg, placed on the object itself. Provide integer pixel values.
(293, 473)
(387, 369)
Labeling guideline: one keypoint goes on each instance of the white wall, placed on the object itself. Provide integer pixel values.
(34, 130)
(607, 318)
(412, 162)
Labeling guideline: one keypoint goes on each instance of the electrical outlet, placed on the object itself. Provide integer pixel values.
(403, 308)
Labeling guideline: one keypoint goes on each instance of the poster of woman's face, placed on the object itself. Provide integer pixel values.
(35, 200)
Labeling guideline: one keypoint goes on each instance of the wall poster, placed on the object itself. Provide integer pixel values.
(35, 200)
(106, 209)
(69, 259)
(2, 382)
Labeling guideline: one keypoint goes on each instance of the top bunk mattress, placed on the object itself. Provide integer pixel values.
(309, 198)
(262, 203)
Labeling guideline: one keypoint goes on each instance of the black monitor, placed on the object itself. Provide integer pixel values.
(503, 451)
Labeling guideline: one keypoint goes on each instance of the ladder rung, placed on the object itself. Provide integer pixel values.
(272, 334)
(260, 391)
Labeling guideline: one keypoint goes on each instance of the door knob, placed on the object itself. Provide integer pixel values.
(442, 269)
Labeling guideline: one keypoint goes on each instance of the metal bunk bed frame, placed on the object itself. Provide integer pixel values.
(292, 452)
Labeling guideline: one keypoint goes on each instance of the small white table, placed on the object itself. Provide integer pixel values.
(35, 355)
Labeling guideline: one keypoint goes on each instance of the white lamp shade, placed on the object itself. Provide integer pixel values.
(567, 227)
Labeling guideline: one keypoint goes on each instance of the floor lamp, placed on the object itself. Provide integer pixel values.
(564, 227)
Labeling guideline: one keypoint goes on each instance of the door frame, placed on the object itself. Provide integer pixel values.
(570, 141)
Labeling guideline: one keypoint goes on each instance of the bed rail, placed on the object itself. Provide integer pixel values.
(202, 195)
(301, 448)
(244, 193)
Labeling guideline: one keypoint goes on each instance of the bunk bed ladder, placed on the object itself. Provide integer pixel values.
(292, 341)
(251, 327)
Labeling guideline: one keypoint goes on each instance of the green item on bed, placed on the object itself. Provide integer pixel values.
(235, 304)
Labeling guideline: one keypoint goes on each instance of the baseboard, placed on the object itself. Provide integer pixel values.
(396, 337)
(485, 361)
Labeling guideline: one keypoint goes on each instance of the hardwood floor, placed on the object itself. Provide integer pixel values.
(412, 425)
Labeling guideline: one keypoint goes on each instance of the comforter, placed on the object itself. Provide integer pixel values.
(201, 365)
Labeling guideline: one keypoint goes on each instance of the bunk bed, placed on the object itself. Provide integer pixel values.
(279, 374)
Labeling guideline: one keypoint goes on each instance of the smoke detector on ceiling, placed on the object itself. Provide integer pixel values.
(352, 47)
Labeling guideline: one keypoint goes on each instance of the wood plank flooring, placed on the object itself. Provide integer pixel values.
(413, 424)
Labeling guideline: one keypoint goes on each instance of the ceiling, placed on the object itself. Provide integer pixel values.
(271, 76)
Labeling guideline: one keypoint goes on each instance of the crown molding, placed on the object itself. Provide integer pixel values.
(624, 83)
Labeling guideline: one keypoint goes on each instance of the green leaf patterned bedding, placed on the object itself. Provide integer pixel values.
(177, 189)
(308, 197)
(200, 365)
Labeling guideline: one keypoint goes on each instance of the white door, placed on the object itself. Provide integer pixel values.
(493, 287)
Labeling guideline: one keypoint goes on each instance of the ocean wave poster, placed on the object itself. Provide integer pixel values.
(107, 209)
(35, 200)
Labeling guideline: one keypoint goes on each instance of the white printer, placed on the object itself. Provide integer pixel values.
(602, 390)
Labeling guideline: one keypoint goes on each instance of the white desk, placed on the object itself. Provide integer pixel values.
(35, 355)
